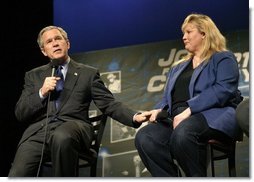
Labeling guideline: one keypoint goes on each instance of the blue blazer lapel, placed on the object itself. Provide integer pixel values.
(194, 77)
(177, 72)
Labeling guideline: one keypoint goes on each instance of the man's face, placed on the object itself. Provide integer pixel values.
(54, 45)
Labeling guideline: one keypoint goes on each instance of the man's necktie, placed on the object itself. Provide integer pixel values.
(59, 85)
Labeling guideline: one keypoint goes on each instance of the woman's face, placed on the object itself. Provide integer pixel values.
(192, 38)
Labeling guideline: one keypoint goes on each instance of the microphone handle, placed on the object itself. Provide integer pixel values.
(52, 74)
(53, 71)
(46, 126)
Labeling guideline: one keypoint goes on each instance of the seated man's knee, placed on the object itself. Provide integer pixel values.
(19, 170)
(62, 139)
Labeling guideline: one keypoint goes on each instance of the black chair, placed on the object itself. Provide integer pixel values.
(218, 150)
(99, 123)
(221, 150)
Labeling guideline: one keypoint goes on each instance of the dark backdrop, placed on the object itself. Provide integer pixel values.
(20, 23)
(99, 24)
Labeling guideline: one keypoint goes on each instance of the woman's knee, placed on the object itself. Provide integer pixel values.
(141, 138)
(150, 136)
(144, 137)
(179, 137)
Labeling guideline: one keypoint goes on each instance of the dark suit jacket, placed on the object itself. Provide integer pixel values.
(82, 85)
(211, 87)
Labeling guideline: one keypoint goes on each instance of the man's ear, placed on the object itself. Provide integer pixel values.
(68, 43)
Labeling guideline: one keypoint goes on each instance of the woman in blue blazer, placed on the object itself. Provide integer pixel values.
(196, 106)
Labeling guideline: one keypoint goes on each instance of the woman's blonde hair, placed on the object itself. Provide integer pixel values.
(213, 42)
(62, 31)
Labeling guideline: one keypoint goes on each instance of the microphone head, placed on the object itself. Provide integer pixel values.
(54, 62)
(162, 115)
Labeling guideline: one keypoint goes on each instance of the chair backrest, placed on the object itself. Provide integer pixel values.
(99, 123)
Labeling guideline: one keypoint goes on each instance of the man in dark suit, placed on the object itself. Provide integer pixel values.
(66, 125)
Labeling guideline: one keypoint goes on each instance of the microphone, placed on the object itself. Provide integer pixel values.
(164, 117)
(54, 63)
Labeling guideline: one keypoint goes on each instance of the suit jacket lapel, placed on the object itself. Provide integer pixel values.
(46, 72)
(69, 83)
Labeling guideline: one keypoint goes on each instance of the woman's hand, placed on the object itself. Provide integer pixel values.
(154, 114)
(180, 117)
